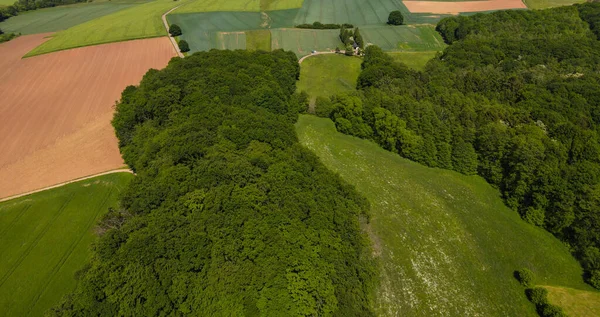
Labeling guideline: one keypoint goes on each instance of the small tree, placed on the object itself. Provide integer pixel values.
(525, 277)
(358, 38)
(183, 46)
(538, 295)
(349, 50)
(396, 18)
(175, 30)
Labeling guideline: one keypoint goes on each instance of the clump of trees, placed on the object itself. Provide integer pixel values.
(6, 37)
(508, 100)
(228, 214)
(395, 18)
(350, 38)
(538, 295)
(525, 277)
(321, 26)
(175, 30)
(183, 46)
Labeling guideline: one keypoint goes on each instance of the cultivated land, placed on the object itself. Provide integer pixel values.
(576, 303)
(61, 17)
(5, 3)
(448, 246)
(445, 7)
(57, 108)
(143, 21)
(303, 42)
(414, 60)
(328, 74)
(543, 4)
(46, 238)
(258, 40)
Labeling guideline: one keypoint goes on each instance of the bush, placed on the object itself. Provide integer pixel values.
(184, 46)
(349, 50)
(525, 277)
(175, 30)
(396, 18)
(537, 296)
(549, 310)
(323, 107)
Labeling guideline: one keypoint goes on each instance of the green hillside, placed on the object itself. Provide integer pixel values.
(46, 238)
(448, 245)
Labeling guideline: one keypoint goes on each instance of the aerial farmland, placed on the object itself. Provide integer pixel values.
(299, 158)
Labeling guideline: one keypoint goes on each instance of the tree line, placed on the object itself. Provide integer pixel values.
(28, 5)
(515, 98)
(228, 214)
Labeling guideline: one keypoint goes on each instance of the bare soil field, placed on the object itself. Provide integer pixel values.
(443, 7)
(56, 108)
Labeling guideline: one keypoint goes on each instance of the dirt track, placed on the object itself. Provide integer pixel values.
(442, 7)
(56, 108)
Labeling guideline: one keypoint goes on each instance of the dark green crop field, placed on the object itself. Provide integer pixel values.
(447, 244)
(46, 238)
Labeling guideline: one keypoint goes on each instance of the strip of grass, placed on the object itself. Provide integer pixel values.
(143, 21)
(414, 60)
(46, 238)
(60, 18)
(447, 244)
(543, 4)
(258, 40)
(328, 74)
(576, 303)
(220, 5)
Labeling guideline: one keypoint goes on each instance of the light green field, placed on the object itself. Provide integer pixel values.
(271, 5)
(142, 21)
(328, 74)
(447, 244)
(576, 303)
(6, 3)
(46, 238)
(414, 60)
(219, 5)
(60, 18)
(258, 40)
(543, 4)
(303, 41)
(404, 38)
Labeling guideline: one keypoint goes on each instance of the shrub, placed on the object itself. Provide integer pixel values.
(323, 107)
(549, 310)
(396, 18)
(349, 50)
(525, 277)
(537, 296)
(183, 46)
(175, 30)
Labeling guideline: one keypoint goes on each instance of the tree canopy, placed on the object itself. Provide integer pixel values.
(228, 215)
(395, 18)
(175, 30)
(514, 102)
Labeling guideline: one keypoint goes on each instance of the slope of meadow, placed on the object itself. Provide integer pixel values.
(447, 244)
(46, 238)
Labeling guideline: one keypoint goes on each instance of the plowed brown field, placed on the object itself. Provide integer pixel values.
(444, 7)
(55, 109)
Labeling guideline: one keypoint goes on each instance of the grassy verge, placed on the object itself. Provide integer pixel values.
(414, 60)
(46, 238)
(143, 21)
(447, 244)
(328, 74)
(258, 40)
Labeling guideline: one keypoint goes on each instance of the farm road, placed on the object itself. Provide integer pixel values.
(314, 54)
(164, 19)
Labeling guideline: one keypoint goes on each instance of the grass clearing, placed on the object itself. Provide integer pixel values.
(258, 40)
(328, 74)
(143, 21)
(544, 4)
(414, 60)
(46, 238)
(404, 38)
(60, 18)
(576, 303)
(447, 244)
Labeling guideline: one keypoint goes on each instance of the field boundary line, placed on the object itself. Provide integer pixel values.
(166, 24)
(121, 170)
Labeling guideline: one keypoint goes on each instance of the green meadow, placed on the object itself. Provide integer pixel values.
(414, 60)
(446, 243)
(575, 302)
(328, 74)
(543, 4)
(46, 238)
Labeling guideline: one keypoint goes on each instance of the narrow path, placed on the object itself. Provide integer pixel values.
(166, 24)
(122, 170)
(314, 54)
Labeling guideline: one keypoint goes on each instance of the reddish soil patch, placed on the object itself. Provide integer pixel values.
(56, 108)
(463, 6)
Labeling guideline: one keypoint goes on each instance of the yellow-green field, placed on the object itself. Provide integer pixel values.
(414, 60)
(258, 40)
(143, 21)
(576, 303)
(328, 74)
(543, 4)
(46, 238)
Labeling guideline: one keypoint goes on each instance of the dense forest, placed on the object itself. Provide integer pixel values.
(228, 214)
(515, 98)
(28, 5)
